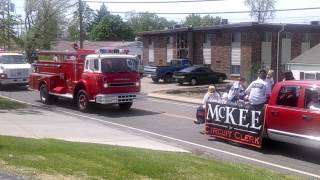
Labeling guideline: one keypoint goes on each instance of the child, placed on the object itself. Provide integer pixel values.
(237, 90)
(211, 96)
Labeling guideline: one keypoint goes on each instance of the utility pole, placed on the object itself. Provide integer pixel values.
(8, 25)
(81, 23)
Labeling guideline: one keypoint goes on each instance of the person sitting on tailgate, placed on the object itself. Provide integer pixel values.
(236, 91)
(211, 96)
(314, 104)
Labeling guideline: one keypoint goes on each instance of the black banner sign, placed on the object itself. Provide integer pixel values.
(236, 124)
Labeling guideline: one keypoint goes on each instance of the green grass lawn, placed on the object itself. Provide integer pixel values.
(7, 104)
(91, 161)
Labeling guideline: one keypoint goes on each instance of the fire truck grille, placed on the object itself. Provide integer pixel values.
(126, 98)
(121, 84)
(116, 98)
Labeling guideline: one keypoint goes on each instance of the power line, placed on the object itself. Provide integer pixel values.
(149, 2)
(225, 12)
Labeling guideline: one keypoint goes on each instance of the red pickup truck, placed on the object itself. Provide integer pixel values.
(291, 116)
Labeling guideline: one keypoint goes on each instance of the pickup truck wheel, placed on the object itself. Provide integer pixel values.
(193, 82)
(45, 97)
(167, 78)
(83, 101)
(156, 80)
(125, 106)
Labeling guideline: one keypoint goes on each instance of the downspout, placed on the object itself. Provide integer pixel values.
(278, 51)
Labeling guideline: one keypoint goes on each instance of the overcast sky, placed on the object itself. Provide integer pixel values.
(216, 6)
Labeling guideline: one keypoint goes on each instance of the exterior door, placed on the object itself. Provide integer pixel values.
(284, 116)
(310, 116)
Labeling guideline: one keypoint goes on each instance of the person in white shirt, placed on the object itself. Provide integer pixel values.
(211, 96)
(269, 79)
(237, 90)
(314, 104)
(224, 97)
(259, 91)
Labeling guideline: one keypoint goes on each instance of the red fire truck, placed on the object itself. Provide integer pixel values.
(87, 77)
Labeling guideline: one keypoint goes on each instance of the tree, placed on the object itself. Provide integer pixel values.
(102, 31)
(195, 20)
(109, 27)
(261, 10)
(210, 20)
(146, 21)
(44, 22)
(88, 17)
(7, 24)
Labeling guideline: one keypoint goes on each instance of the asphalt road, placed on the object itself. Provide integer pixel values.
(173, 122)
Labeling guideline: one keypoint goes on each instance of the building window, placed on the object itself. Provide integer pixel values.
(207, 38)
(286, 35)
(169, 40)
(309, 76)
(267, 37)
(235, 69)
(236, 37)
(150, 41)
(306, 37)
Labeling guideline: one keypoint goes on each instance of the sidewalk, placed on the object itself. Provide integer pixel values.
(39, 123)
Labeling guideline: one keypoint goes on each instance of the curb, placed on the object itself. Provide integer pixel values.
(175, 98)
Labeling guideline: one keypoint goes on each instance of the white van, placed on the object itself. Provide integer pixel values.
(14, 69)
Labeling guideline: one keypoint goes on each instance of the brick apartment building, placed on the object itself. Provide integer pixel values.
(232, 48)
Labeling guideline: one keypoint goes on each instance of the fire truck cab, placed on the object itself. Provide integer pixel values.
(111, 78)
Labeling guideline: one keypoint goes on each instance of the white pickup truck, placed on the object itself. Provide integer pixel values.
(14, 69)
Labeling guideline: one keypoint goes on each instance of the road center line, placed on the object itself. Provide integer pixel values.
(178, 116)
(171, 102)
(182, 141)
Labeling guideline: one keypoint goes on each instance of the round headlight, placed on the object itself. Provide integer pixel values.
(138, 84)
(105, 85)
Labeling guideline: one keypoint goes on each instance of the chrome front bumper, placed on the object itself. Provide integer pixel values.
(14, 81)
(116, 98)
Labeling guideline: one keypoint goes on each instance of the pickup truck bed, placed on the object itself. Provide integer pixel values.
(165, 72)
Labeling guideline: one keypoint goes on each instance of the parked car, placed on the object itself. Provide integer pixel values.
(199, 74)
(14, 69)
(166, 72)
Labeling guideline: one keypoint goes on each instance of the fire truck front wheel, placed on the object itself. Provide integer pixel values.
(83, 101)
(45, 97)
(125, 106)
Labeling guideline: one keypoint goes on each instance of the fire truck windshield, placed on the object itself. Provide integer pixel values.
(12, 59)
(119, 65)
